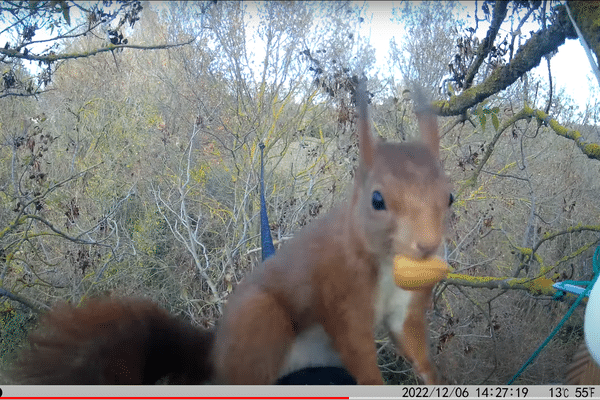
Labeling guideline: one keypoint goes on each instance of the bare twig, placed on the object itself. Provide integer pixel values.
(36, 307)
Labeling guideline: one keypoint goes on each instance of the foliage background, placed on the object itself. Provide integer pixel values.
(135, 173)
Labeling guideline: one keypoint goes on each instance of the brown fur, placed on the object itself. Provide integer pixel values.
(330, 286)
(583, 370)
(114, 341)
(337, 272)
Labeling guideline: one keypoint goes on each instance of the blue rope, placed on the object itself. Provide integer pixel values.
(560, 294)
(590, 285)
(266, 240)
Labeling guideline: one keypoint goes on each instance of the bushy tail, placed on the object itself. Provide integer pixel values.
(115, 341)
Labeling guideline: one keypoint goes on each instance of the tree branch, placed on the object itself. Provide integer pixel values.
(63, 234)
(536, 286)
(490, 147)
(527, 58)
(592, 150)
(35, 93)
(500, 8)
(572, 229)
(15, 297)
(50, 58)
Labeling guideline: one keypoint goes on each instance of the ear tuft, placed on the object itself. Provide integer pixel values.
(366, 142)
(427, 121)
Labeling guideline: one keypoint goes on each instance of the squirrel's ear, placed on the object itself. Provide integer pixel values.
(427, 122)
(366, 142)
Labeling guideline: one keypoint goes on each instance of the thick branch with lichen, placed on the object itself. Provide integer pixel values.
(592, 150)
(537, 286)
(527, 58)
(572, 229)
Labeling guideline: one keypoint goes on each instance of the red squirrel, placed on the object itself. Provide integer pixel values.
(330, 286)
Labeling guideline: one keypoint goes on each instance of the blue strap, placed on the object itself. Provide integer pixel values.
(584, 293)
(266, 240)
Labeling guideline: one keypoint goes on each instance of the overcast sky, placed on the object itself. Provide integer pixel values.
(570, 67)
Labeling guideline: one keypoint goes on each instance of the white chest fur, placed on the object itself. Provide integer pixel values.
(391, 302)
(313, 347)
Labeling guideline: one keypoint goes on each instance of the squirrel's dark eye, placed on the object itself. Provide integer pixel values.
(377, 201)
(450, 200)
